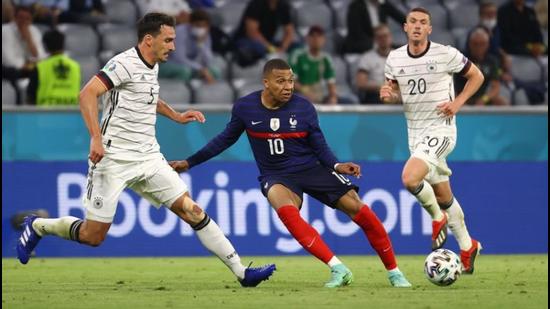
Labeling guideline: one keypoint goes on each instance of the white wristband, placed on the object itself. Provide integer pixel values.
(336, 165)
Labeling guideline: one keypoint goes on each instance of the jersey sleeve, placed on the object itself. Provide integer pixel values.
(458, 63)
(388, 69)
(114, 73)
(317, 141)
(221, 142)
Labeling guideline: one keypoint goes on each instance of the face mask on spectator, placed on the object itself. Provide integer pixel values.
(198, 32)
(489, 23)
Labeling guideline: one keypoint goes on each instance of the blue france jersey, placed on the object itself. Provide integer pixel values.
(284, 141)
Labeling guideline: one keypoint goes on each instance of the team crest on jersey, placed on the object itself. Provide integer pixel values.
(431, 66)
(275, 124)
(293, 122)
(98, 202)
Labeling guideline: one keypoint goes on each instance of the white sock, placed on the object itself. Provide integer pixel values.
(426, 197)
(62, 227)
(212, 237)
(334, 261)
(458, 226)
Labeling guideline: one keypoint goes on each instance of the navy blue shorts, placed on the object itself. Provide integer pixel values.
(321, 183)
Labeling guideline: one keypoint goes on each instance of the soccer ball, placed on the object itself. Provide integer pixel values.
(442, 267)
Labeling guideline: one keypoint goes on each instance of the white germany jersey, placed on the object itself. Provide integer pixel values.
(425, 81)
(130, 107)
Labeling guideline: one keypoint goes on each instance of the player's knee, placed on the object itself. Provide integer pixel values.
(188, 210)
(410, 181)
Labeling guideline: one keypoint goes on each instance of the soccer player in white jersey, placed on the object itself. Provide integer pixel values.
(420, 74)
(124, 153)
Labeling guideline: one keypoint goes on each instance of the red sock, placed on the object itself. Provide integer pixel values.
(377, 236)
(304, 233)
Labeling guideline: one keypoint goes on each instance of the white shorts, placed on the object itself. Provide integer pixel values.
(434, 151)
(153, 179)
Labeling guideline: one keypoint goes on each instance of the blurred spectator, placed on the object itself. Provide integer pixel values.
(362, 17)
(177, 8)
(45, 11)
(541, 9)
(82, 11)
(7, 11)
(519, 29)
(56, 80)
(314, 69)
(255, 37)
(488, 64)
(370, 71)
(21, 41)
(488, 20)
(193, 55)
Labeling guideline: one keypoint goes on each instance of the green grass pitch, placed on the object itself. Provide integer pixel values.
(500, 281)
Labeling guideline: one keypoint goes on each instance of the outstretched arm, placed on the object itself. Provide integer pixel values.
(166, 110)
(217, 145)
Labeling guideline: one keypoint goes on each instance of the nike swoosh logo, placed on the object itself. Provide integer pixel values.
(256, 122)
(311, 243)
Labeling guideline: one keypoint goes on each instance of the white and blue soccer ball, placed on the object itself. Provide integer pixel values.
(442, 267)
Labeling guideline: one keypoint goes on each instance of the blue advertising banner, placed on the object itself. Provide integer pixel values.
(506, 207)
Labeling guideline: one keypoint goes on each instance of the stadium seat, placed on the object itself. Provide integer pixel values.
(174, 91)
(9, 96)
(121, 11)
(341, 11)
(505, 92)
(461, 37)
(314, 13)
(442, 36)
(228, 16)
(520, 97)
(398, 34)
(218, 93)
(346, 95)
(248, 88)
(116, 39)
(341, 70)
(89, 66)
(242, 76)
(80, 40)
(464, 15)
(221, 65)
(526, 69)
(440, 17)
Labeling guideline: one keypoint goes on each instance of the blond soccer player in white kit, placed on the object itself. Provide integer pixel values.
(420, 74)
(124, 153)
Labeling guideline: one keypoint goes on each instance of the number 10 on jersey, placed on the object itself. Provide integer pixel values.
(276, 146)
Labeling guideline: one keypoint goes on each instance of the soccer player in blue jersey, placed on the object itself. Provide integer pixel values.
(293, 157)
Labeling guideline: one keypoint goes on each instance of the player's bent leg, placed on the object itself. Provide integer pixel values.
(91, 232)
(414, 172)
(454, 212)
(71, 228)
(469, 247)
(287, 204)
(213, 239)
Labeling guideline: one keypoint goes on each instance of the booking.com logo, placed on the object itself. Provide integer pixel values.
(231, 205)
